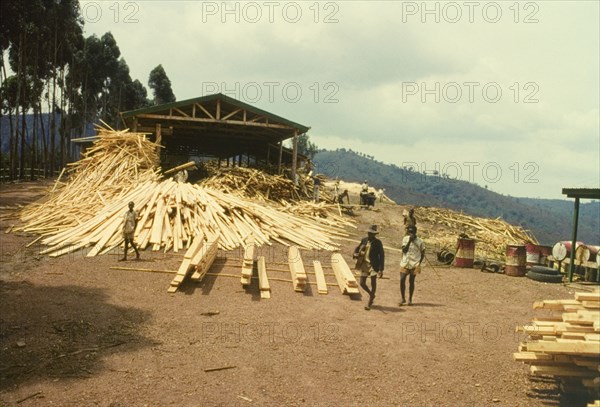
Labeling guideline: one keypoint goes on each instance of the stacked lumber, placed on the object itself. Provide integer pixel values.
(263, 280)
(248, 260)
(251, 183)
(172, 213)
(117, 163)
(492, 235)
(343, 275)
(297, 269)
(566, 346)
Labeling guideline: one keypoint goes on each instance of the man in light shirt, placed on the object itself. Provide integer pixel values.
(413, 253)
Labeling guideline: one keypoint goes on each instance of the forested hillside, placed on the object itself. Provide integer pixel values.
(549, 220)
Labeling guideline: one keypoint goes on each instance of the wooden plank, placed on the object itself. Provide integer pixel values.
(562, 371)
(583, 296)
(248, 262)
(567, 347)
(208, 256)
(263, 280)
(581, 317)
(337, 260)
(320, 276)
(296, 269)
(186, 265)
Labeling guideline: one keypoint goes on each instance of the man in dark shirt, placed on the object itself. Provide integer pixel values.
(370, 261)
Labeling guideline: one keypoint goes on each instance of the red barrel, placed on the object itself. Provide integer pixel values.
(465, 253)
(533, 254)
(516, 261)
(545, 251)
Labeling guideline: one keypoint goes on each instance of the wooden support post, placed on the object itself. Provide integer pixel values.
(280, 157)
(574, 240)
(158, 135)
(295, 158)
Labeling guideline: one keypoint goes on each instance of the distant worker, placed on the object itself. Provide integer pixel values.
(340, 197)
(413, 253)
(181, 176)
(364, 193)
(380, 194)
(317, 185)
(365, 187)
(410, 220)
(129, 225)
(370, 258)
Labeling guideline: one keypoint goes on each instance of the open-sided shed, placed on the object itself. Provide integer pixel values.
(221, 127)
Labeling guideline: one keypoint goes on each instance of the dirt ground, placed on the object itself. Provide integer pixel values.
(74, 332)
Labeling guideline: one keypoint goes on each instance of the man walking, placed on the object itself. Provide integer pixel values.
(413, 253)
(129, 226)
(370, 262)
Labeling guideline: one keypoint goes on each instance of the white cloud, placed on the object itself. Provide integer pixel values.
(368, 60)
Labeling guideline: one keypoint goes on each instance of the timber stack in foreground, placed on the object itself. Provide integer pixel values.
(566, 346)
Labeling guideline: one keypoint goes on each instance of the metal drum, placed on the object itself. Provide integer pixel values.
(516, 261)
(465, 254)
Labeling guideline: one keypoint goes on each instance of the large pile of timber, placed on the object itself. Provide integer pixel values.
(87, 210)
(258, 184)
(252, 183)
(566, 345)
(116, 164)
(172, 213)
(491, 235)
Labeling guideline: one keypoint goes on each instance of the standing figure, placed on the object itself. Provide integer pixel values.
(129, 226)
(370, 258)
(410, 220)
(316, 186)
(340, 197)
(413, 253)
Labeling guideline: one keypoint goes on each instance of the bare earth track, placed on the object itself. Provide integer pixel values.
(75, 332)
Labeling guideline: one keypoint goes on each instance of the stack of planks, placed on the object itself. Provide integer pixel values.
(172, 213)
(343, 274)
(198, 258)
(297, 269)
(566, 346)
(115, 165)
(251, 183)
(492, 235)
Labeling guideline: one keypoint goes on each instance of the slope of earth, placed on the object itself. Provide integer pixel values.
(73, 331)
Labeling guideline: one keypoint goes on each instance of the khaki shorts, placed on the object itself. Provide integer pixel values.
(128, 236)
(367, 271)
(415, 271)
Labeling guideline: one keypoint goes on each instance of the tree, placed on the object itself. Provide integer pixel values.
(161, 86)
(305, 147)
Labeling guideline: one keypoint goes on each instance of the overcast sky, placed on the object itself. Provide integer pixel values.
(503, 94)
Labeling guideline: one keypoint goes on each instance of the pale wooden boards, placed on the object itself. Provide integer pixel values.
(320, 277)
(263, 279)
(198, 258)
(346, 280)
(206, 260)
(296, 269)
(567, 345)
(248, 261)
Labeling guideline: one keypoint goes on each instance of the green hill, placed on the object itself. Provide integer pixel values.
(549, 219)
